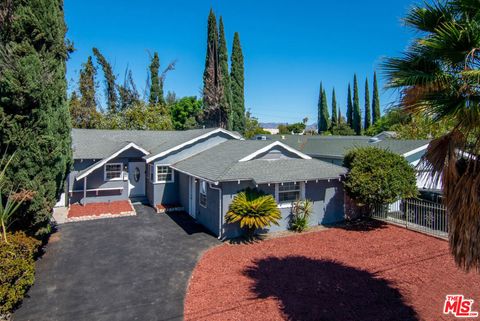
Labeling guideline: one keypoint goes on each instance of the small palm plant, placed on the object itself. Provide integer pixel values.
(301, 212)
(253, 209)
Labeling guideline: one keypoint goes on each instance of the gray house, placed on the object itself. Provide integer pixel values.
(200, 171)
(332, 149)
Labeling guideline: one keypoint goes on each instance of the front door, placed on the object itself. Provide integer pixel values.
(191, 196)
(136, 179)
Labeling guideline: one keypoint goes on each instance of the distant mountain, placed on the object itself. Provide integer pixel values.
(270, 125)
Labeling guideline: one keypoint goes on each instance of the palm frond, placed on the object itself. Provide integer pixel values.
(428, 18)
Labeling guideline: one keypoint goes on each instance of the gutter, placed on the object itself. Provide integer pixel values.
(220, 209)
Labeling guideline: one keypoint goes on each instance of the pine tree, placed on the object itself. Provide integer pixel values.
(213, 91)
(368, 117)
(357, 117)
(376, 100)
(237, 84)
(156, 90)
(349, 107)
(110, 81)
(33, 109)
(319, 108)
(223, 63)
(334, 109)
(83, 109)
(87, 85)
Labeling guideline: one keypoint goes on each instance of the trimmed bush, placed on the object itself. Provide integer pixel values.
(17, 269)
(378, 176)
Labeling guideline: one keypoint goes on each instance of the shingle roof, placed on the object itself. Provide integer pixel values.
(98, 144)
(401, 146)
(338, 146)
(221, 163)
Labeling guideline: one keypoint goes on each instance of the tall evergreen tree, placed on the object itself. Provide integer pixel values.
(334, 109)
(223, 64)
(376, 100)
(368, 116)
(110, 81)
(357, 117)
(33, 107)
(156, 90)
(237, 80)
(349, 107)
(87, 85)
(83, 109)
(213, 91)
(325, 118)
(319, 108)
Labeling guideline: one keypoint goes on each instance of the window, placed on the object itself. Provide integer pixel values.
(203, 194)
(289, 192)
(113, 171)
(164, 174)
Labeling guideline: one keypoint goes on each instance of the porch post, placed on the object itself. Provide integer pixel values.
(85, 191)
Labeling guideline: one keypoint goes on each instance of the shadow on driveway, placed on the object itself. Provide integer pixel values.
(131, 268)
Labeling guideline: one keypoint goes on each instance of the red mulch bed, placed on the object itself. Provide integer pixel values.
(98, 209)
(375, 273)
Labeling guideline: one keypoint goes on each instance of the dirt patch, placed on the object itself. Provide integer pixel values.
(354, 273)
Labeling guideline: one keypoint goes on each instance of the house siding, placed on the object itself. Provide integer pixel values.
(327, 197)
(166, 193)
(183, 190)
(208, 216)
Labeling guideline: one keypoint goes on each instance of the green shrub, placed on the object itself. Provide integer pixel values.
(378, 176)
(301, 212)
(17, 269)
(253, 209)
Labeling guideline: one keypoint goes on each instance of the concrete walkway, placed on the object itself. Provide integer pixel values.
(129, 268)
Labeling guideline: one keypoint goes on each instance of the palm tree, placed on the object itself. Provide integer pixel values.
(253, 209)
(438, 77)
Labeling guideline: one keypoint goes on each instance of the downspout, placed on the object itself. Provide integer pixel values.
(220, 209)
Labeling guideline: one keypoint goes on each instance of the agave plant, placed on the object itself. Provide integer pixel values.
(253, 209)
(438, 77)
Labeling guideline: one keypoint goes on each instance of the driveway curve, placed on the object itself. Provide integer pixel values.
(132, 268)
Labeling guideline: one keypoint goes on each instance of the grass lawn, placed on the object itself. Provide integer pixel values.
(374, 272)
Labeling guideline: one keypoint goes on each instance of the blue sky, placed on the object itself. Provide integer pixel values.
(289, 46)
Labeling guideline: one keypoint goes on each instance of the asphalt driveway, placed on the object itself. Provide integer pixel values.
(132, 268)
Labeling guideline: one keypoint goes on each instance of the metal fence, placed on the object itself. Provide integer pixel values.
(415, 214)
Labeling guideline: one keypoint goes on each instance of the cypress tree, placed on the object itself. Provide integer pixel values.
(213, 91)
(334, 109)
(110, 81)
(325, 118)
(223, 64)
(349, 107)
(368, 117)
(237, 85)
(376, 100)
(319, 108)
(357, 117)
(33, 108)
(156, 90)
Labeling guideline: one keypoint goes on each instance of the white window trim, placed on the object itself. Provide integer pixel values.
(200, 193)
(112, 179)
(288, 204)
(155, 176)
